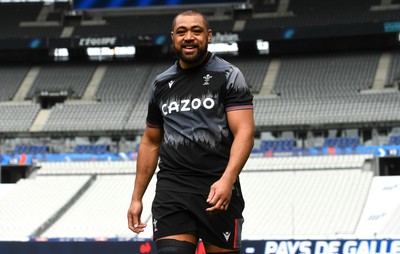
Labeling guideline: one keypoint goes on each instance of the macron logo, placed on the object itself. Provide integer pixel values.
(227, 235)
(171, 83)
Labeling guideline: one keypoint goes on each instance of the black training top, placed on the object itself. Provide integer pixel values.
(190, 105)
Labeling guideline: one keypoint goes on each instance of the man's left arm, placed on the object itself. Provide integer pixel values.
(241, 123)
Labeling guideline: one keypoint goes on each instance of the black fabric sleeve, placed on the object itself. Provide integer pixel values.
(154, 117)
(238, 94)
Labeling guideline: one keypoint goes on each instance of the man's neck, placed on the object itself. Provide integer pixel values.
(185, 65)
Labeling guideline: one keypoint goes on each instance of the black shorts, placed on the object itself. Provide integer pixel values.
(185, 213)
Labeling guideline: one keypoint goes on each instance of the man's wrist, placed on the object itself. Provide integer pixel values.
(230, 176)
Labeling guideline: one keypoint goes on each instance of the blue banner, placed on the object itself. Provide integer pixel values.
(111, 246)
(30, 159)
(90, 4)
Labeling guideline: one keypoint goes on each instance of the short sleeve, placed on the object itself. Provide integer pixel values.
(154, 117)
(238, 94)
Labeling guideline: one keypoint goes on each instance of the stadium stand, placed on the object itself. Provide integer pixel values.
(70, 78)
(18, 117)
(139, 25)
(359, 108)
(299, 202)
(40, 20)
(100, 204)
(342, 141)
(393, 76)
(30, 149)
(310, 109)
(326, 75)
(88, 116)
(42, 197)
(381, 208)
(87, 168)
(316, 13)
(312, 91)
(11, 78)
(93, 149)
(394, 140)
(123, 81)
(293, 195)
(25, 20)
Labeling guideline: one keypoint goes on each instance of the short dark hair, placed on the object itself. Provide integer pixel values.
(191, 13)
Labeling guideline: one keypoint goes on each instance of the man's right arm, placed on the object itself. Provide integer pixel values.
(145, 168)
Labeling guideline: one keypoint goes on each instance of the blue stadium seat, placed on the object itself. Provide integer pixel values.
(30, 149)
(394, 140)
(96, 149)
(277, 145)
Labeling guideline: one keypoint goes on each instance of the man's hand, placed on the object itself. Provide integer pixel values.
(134, 213)
(219, 196)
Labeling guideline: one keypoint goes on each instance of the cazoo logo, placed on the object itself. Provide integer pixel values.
(187, 105)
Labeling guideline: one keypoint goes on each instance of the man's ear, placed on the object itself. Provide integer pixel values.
(209, 35)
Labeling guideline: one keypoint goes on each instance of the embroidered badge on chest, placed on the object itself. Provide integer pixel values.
(207, 79)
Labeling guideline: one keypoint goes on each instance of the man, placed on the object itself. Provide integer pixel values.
(200, 125)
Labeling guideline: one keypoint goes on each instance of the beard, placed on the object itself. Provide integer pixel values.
(201, 52)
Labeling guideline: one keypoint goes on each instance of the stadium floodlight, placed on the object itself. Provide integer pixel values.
(61, 54)
(223, 48)
(125, 51)
(263, 47)
(105, 52)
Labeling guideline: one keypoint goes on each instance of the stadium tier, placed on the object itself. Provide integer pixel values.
(319, 196)
(293, 196)
(50, 20)
(325, 161)
(321, 89)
